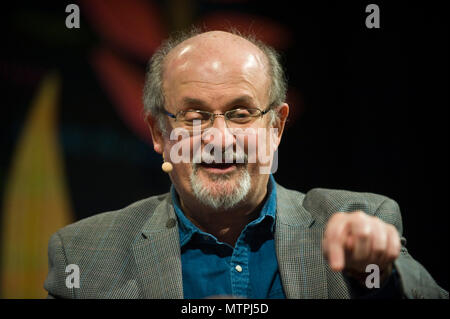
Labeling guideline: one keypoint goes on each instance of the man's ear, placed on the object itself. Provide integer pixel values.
(283, 112)
(156, 133)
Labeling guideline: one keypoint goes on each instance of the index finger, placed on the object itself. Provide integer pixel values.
(335, 239)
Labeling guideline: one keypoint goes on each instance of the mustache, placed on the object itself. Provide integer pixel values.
(224, 157)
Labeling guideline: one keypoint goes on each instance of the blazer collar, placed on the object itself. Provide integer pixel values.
(157, 254)
(298, 247)
(290, 210)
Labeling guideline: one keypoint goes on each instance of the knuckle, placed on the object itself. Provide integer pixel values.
(380, 223)
(392, 229)
(396, 243)
(364, 232)
(360, 215)
(378, 249)
(395, 238)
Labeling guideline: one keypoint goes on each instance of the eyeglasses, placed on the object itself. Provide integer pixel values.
(239, 117)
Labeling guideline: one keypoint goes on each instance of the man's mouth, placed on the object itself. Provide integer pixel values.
(220, 167)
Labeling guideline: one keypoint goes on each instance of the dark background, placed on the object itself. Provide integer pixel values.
(369, 106)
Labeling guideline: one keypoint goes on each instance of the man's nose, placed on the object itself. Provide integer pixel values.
(219, 122)
(226, 137)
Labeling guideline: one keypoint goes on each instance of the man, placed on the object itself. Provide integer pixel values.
(227, 228)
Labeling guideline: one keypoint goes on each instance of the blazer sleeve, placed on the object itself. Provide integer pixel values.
(55, 283)
(415, 281)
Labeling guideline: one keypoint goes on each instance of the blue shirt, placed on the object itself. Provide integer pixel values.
(213, 268)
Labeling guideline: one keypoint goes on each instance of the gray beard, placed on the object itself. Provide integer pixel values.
(223, 194)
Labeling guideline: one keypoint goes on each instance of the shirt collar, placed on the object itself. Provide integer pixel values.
(187, 229)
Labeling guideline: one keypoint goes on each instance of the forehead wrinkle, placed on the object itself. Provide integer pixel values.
(241, 99)
(218, 91)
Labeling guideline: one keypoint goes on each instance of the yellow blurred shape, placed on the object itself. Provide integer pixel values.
(36, 200)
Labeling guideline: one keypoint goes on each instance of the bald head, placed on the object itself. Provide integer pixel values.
(215, 50)
(216, 41)
(213, 64)
(213, 57)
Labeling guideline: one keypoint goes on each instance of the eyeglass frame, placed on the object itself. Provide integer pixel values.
(213, 116)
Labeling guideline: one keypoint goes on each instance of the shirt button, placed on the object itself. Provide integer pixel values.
(238, 268)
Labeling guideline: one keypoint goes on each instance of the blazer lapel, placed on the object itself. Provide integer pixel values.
(157, 255)
(299, 248)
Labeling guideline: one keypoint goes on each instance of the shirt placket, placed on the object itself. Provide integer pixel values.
(239, 268)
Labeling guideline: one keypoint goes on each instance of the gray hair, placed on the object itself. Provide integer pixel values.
(153, 97)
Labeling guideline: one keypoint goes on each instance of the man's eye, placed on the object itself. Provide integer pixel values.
(241, 113)
(192, 116)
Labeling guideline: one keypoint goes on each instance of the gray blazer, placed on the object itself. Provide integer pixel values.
(135, 252)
